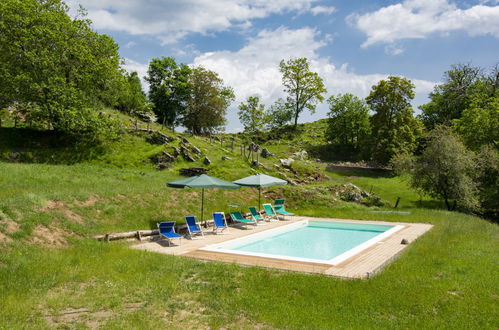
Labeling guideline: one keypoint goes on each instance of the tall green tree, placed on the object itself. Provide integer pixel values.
(479, 123)
(446, 170)
(169, 89)
(131, 98)
(305, 88)
(394, 128)
(208, 102)
(488, 179)
(279, 114)
(349, 124)
(450, 99)
(55, 65)
(252, 114)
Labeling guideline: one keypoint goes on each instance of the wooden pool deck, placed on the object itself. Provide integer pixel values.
(362, 265)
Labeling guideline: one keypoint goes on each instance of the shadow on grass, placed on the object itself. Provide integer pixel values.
(359, 173)
(28, 145)
(431, 204)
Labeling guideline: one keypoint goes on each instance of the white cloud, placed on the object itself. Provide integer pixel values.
(327, 10)
(141, 69)
(417, 19)
(254, 69)
(171, 20)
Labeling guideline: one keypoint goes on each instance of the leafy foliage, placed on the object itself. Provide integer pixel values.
(444, 170)
(488, 179)
(349, 124)
(479, 123)
(304, 88)
(56, 66)
(208, 102)
(394, 128)
(252, 114)
(279, 114)
(131, 98)
(169, 89)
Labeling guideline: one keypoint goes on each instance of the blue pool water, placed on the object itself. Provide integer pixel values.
(316, 240)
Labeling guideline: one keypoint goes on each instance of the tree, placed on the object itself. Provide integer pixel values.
(252, 114)
(349, 124)
(479, 123)
(169, 89)
(488, 179)
(445, 170)
(279, 114)
(131, 98)
(208, 102)
(304, 88)
(450, 99)
(394, 128)
(55, 65)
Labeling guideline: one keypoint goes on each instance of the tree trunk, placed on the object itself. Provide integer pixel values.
(448, 205)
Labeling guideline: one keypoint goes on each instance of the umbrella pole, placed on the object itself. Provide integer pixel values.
(202, 206)
(259, 195)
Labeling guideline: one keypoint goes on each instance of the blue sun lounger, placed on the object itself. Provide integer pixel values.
(167, 230)
(219, 222)
(270, 212)
(279, 207)
(239, 218)
(192, 227)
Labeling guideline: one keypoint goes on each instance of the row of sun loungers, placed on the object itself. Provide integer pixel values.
(271, 213)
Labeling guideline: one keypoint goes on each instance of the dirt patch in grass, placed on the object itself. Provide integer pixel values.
(9, 226)
(55, 205)
(4, 238)
(49, 236)
(89, 202)
(70, 317)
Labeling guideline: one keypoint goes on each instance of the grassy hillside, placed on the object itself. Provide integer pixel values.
(52, 274)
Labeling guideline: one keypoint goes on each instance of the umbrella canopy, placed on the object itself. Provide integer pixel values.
(202, 182)
(260, 180)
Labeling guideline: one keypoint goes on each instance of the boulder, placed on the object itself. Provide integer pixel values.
(176, 151)
(168, 157)
(192, 171)
(225, 158)
(162, 166)
(188, 157)
(184, 140)
(196, 150)
(162, 157)
(265, 153)
(286, 162)
(158, 138)
(206, 161)
(300, 155)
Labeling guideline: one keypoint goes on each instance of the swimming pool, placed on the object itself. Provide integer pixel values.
(324, 242)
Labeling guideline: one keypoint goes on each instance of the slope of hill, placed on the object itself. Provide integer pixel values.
(55, 194)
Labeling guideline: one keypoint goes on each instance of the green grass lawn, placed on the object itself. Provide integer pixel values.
(446, 279)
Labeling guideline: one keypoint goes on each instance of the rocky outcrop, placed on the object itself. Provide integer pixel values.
(192, 171)
(158, 138)
(300, 155)
(286, 162)
(265, 153)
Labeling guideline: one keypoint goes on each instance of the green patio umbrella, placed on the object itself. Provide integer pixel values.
(260, 180)
(202, 182)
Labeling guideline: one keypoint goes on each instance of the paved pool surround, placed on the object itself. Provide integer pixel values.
(360, 264)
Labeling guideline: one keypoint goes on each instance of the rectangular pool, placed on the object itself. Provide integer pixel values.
(324, 242)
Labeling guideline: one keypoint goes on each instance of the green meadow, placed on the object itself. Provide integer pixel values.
(53, 274)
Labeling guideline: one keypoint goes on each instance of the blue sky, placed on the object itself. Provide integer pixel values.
(351, 44)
